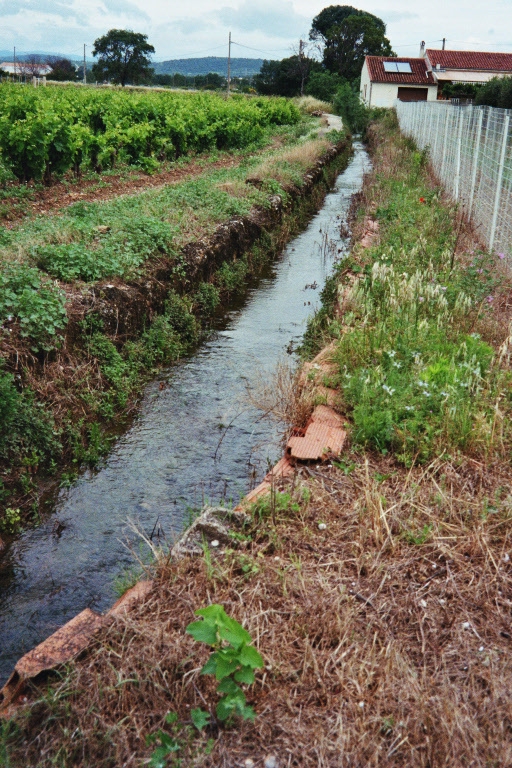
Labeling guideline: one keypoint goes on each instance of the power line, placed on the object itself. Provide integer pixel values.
(465, 42)
(205, 50)
(259, 50)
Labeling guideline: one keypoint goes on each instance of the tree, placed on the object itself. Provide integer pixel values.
(335, 15)
(123, 56)
(346, 35)
(347, 103)
(31, 66)
(323, 85)
(285, 77)
(61, 69)
(496, 93)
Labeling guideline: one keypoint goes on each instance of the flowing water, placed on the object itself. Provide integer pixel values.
(196, 437)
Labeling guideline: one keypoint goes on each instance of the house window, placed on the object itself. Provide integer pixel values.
(397, 66)
(364, 94)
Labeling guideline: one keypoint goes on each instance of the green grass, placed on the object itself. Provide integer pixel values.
(117, 238)
(414, 375)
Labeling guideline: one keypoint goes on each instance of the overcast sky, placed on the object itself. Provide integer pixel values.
(268, 28)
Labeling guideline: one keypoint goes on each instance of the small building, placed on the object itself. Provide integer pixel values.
(385, 79)
(466, 67)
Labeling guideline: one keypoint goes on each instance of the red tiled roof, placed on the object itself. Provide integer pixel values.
(480, 60)
(418, 76)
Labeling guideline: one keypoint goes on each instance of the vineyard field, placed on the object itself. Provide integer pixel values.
(46, 132)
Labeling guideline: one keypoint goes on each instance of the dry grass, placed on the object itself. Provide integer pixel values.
(309, 104)
(386, 637)
(281, 396)
(288, 167)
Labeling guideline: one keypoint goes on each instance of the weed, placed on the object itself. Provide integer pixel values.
(416, 378)
(181, 736)
(233, 660)
(207, 298)
(126, 580)
(27, 430)
(419, 537)
(11, 522)
(36, 304)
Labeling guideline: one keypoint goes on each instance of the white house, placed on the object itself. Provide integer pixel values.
(385, 79)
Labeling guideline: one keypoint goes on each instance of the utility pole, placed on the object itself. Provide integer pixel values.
(301, 69)
(444, 43)
(14, 73)
(85, 69)
(229, 63)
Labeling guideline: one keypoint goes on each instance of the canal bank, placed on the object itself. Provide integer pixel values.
(197, 437)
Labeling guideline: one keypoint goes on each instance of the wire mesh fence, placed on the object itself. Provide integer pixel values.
(471, 152)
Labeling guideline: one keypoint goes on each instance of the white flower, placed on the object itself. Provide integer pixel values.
(387, 389)
(392, 353)
(397, 365)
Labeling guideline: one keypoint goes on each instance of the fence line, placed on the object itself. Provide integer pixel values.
(471, 152)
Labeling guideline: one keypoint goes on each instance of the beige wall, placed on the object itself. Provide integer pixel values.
(364, 90)
(385, 94)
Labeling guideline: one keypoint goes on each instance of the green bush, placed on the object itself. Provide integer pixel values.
(207, 298)
(323, 85)
(354, 113)
(496, 93)
(26, 427)
(179, 315)
(37, 304)
(47, 131)
(231, 276)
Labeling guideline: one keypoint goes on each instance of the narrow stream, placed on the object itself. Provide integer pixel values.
(173, 457)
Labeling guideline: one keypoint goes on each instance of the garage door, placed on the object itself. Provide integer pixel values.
(412, 94)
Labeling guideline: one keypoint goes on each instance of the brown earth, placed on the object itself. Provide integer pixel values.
(50, 200)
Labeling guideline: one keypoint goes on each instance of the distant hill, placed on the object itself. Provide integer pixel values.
(7, 55)
(218, 64)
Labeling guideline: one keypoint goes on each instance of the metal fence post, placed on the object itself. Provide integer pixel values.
(499, 182)
(476, 157)
(456, 182)
(444, 147)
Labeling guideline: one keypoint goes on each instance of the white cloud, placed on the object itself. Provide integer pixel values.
(274, 19)
(200, 27)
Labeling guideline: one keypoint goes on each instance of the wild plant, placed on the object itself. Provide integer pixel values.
(233, 660)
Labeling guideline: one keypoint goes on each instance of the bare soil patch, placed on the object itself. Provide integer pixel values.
(49, 200)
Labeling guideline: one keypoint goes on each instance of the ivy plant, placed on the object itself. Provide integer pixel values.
(233, 660)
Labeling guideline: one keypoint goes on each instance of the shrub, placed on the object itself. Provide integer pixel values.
(26, 427)
(496, 93)
(355, 114)
(37, 305)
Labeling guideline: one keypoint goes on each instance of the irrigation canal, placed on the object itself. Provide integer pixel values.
(178, 451)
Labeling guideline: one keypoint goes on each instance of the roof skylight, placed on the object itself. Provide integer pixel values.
(397, 66)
